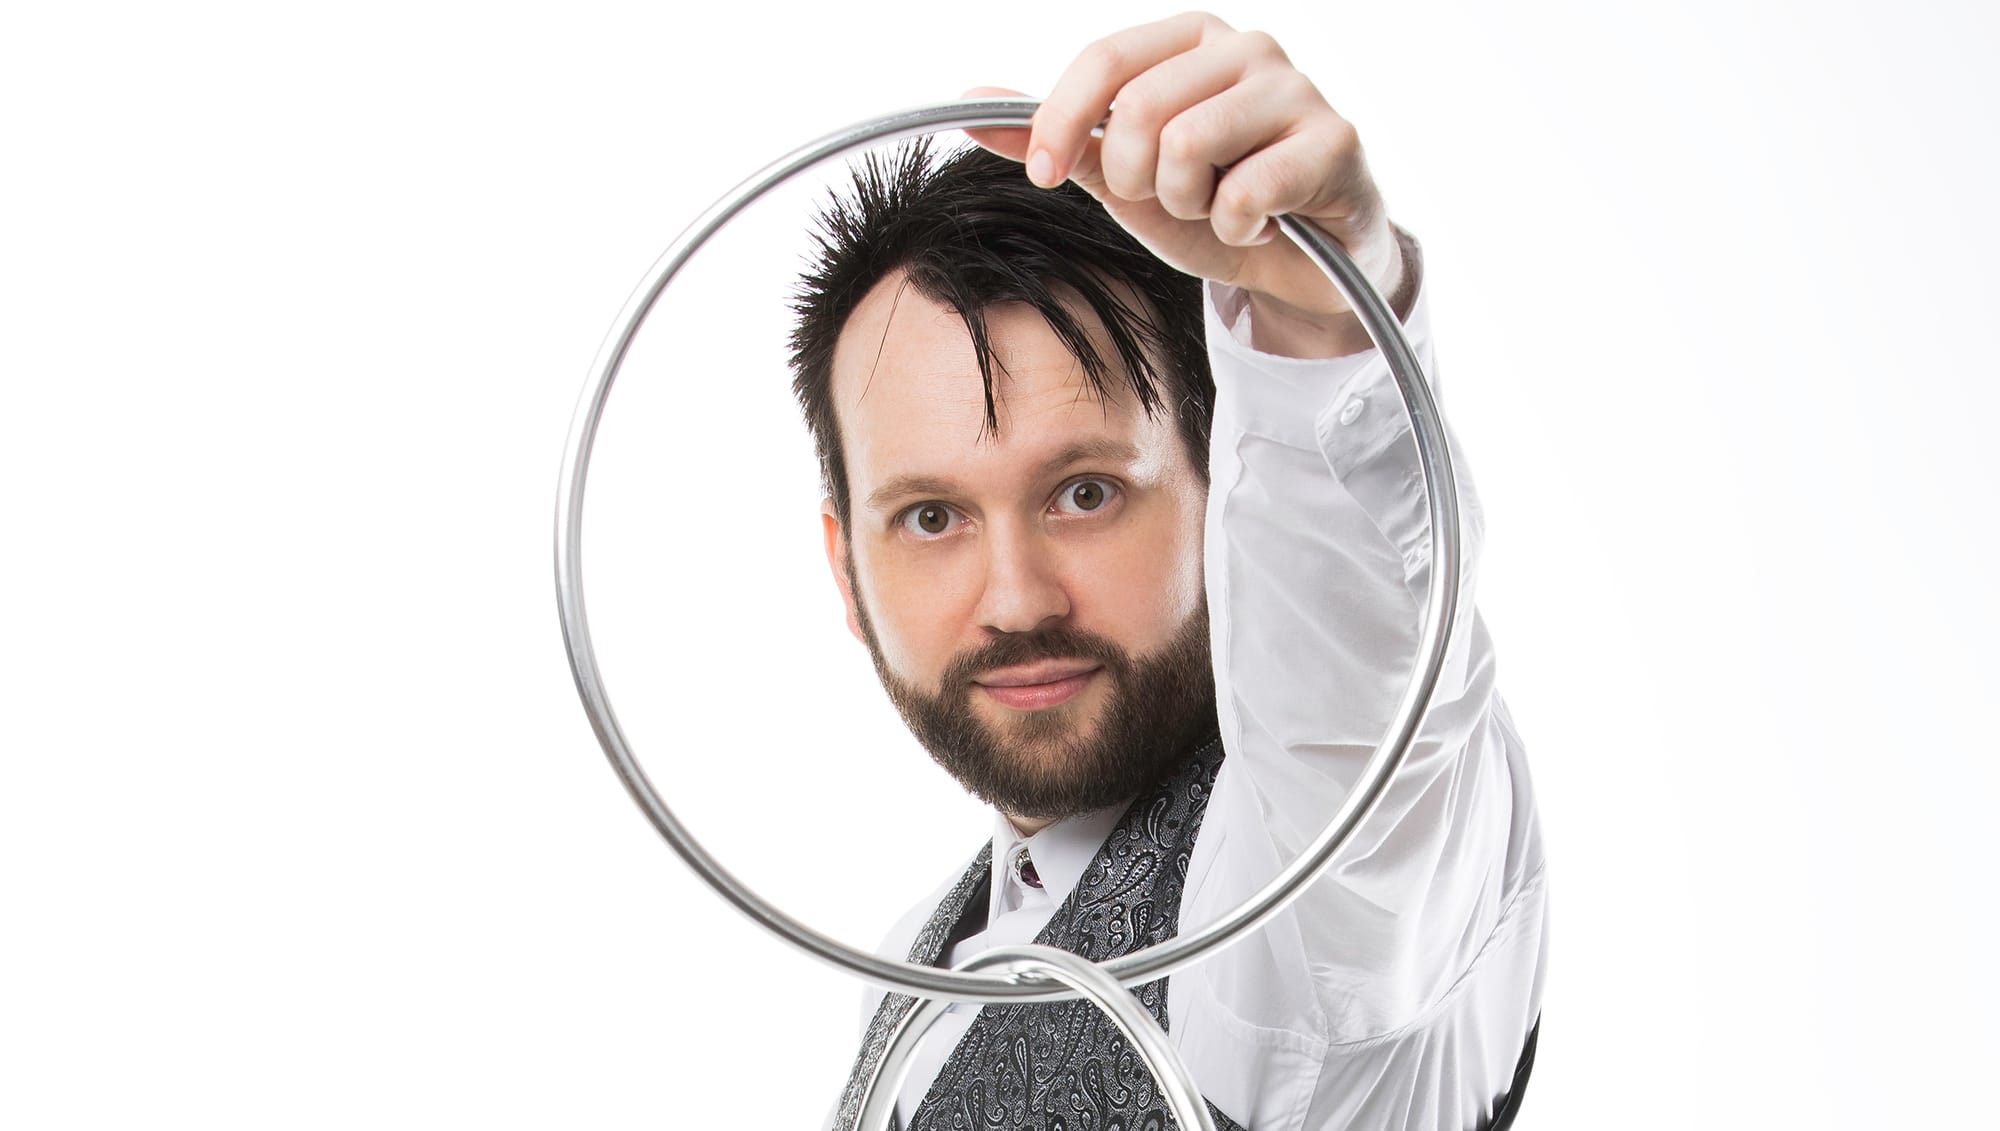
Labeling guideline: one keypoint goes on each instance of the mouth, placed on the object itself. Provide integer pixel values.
(1040, 685)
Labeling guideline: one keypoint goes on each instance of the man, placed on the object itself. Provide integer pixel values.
(1159, 621)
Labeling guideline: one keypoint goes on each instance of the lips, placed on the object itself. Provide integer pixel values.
(1039, 685)
(1039, 672)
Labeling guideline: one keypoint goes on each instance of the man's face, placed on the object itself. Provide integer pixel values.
(1033, 596)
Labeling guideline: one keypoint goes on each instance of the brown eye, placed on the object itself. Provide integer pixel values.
(1084, 496)
(927, 519)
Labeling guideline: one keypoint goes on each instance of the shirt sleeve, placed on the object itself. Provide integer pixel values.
(1317, 555)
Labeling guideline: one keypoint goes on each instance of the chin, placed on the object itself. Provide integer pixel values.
(1048, 737)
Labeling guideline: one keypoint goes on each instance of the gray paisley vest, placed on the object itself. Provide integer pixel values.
(1063, 1066)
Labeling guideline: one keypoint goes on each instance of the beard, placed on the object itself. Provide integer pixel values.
(1051, 763)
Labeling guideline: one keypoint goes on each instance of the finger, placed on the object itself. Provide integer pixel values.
(1143, 107)
(1318, 173)
(1008, 141)
(1087, 172)
(1265, 108)
(1082, 96)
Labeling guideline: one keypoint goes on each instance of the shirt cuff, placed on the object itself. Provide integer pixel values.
(1347, 407)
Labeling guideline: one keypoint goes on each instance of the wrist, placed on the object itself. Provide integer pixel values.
(1285, 330)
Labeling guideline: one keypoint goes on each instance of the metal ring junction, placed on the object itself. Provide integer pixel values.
(1440, 494)
(1183, 1098)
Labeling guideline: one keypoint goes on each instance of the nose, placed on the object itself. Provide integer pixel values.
(1024, 581)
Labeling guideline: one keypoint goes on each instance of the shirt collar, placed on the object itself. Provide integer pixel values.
(1061, 852)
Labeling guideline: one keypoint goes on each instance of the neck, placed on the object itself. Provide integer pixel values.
(1027, 826)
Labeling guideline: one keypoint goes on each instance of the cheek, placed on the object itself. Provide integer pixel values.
(919, 613)
(1149, 583)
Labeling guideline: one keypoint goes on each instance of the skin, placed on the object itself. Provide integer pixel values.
(1214, 134)
(1020, 549)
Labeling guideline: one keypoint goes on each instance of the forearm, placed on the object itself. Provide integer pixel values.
(1318, 560)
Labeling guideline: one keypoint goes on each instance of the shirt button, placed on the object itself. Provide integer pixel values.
(1351, 411)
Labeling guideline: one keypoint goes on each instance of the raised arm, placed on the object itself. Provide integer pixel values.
(1317, 554)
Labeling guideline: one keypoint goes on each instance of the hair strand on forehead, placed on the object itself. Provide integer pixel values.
(969, 231)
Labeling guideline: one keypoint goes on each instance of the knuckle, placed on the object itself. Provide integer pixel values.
(1205, 22)
(1180, 141)
(1137, 103)
(1342, 140)
(1295, 86)
(1104, 55)
(1262, 45)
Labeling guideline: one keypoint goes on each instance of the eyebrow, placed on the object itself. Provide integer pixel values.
(908, 486)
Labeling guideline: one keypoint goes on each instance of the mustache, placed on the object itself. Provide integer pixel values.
(1060, 643)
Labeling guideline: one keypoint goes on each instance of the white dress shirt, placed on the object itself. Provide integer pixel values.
(1397, 991)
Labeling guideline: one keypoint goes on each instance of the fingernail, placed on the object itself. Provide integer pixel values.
(1042, 168)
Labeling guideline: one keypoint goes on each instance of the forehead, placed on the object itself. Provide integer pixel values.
(909, 401)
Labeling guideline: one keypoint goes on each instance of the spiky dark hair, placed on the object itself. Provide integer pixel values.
(969, 231)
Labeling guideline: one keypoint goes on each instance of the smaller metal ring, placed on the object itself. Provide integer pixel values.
(1042, 963)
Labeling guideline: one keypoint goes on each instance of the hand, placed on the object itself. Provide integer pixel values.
(1214, 133)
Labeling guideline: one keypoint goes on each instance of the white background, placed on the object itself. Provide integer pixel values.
(301, 824)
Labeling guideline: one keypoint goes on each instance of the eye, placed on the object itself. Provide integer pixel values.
(1085, 496)
(928, 520)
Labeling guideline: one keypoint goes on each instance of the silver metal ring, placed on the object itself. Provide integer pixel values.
(1441, 498)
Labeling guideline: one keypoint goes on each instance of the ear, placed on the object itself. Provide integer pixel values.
(836, 560)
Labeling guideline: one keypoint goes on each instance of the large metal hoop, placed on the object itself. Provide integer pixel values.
(1441, 497)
